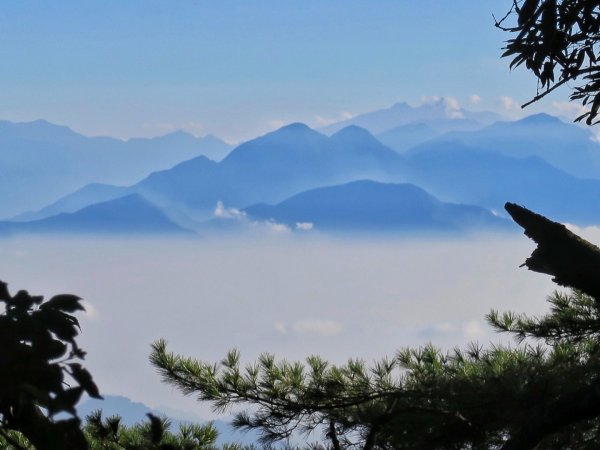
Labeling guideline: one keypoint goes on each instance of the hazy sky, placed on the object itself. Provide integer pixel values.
(239, 68)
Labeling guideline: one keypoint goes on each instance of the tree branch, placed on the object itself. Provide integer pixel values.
(546, 92)
(582, 405)
(571, 260)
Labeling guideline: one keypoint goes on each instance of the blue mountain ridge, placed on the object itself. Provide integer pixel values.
(131, 214)
(86, 196)
(438, 112)
(267, 169)
(272, 168)
(404, 137)
(456, 172)
(369, 207)
(40, 161)
(565, 146)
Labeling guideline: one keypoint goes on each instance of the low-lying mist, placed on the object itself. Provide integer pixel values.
(285, 295)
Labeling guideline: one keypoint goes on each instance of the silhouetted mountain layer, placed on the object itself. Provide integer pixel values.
(129, 215)
(565, 146)
(404, 137)
(367, 207)
(273, 167)
(39, 161)
(295, 159)
(86, 196)
(455, 172)
(441, 112)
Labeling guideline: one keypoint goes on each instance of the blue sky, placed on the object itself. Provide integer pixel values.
(240, 68)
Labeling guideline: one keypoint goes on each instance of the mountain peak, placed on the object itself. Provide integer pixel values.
(353, 132)
(294, 127)
(37, 129)
(400, 106)
(178, 134)
(540, 119)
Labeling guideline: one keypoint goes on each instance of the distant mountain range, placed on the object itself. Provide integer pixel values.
(296, 175)
(40, 162)
(131, 214)
(441, 115)
(267, 169)
(565, 146)
(370, 207)
(455, 171)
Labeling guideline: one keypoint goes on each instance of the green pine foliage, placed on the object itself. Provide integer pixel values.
(543, 392)
(424, 398)
(154, 434)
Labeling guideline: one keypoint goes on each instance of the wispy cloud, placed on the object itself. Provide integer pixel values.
(451, 105)
(321, 121)
(317, 327)
(461, 331)
(275, 123)
(304, 226)
(271, 226)
(90, 311)
(569, 109)
(591, 233)
(276, 227)
(507, 103)
(228, 213)
(280, 328)
(473, 330)
(473, 100)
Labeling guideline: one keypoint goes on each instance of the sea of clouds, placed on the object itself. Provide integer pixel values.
(288, 295)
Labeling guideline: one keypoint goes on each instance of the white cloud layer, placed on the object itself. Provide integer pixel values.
(572, 110)
(451, 105)
(277, 227)
(507, 103)
(274, 124)
(569, 109)
(591, 233)
(90, 311)
(228, 213)
(290, 297)
(474, 100)
(321, 121)
(304, 226)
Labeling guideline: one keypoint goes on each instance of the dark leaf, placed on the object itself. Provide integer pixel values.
(22, 300)
(64, 326)
(52, 349)
(4, 294)
(65, 401)
(64, 302)
(84, 378)
(527, 11)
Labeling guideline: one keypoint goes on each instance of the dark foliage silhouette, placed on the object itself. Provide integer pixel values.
(558, 41)
(40, 375)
